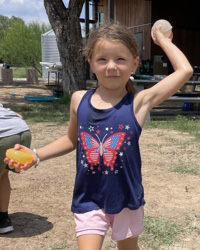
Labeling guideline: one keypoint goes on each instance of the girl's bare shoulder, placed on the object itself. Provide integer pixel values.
(79, 93)
(76, 98)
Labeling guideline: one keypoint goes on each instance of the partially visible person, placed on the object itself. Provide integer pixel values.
(13, 129)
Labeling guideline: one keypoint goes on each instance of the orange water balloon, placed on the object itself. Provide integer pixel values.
(19, 155)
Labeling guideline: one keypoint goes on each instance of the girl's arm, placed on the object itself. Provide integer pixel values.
(66, 143)
(62, 145)
(20, 116)
(147, 99)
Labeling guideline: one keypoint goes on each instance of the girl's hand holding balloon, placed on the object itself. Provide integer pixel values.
(161, 29)
(20, 157)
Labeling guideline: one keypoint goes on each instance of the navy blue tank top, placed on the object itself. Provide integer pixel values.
(108, 158)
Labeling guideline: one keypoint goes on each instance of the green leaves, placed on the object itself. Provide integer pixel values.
(21, 43)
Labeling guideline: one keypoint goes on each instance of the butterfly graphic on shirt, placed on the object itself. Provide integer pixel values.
(106, 149)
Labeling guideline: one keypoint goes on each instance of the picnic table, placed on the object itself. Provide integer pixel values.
(181, 103)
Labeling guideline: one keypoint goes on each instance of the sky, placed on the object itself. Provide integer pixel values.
(28, 10)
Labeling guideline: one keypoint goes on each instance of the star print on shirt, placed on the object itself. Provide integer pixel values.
(91, 128)
(127, 127)
(85, 165)
(121, 126)
(106, 172)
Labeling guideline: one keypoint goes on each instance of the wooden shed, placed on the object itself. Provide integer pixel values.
(139, 16)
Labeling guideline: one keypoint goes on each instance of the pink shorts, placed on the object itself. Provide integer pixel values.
(128, 223)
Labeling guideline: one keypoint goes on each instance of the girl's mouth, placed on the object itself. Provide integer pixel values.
(112, 76)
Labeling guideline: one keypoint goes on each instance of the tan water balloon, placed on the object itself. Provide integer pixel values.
(166, 27)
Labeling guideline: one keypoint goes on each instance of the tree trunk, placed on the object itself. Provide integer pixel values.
(66, 26)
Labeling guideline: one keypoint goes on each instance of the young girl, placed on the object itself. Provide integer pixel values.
(108, 121)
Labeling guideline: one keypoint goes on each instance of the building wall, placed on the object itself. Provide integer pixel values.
(184, 17)
(135, 15)
(139, 16)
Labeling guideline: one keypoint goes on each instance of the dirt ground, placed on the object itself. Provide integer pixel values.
(41, 198)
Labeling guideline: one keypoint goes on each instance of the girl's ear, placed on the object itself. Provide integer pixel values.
(135, 64)
(91, 65)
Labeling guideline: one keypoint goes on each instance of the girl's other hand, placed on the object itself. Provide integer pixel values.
(158, 36)
(18, 167)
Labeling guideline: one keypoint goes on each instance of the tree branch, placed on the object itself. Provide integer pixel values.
(76, 5)
(55, 9)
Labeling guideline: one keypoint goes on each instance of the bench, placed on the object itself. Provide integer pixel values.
(181, 103)
(177, 105)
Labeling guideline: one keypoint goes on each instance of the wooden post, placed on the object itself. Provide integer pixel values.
(32, 75)
(7, 75)
(111, 9)
(87, 29)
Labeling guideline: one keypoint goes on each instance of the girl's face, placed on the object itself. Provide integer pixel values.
(112, 62)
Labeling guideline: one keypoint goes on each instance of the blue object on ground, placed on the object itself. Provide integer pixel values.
(41, 98)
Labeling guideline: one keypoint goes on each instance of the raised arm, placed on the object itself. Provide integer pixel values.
(147, 99)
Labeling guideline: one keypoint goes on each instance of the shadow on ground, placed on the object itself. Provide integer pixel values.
(28, 225)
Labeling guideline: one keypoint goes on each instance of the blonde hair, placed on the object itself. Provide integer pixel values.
(117, 33)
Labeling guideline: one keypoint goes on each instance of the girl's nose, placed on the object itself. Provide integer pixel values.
(111, 65)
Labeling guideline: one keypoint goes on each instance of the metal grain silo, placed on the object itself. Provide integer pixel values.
(50, 54)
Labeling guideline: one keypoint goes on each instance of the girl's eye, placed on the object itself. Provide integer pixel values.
(120, 59)
(101, 59)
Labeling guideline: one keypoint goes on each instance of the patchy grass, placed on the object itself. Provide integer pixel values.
(57, 111)
(57, 245)
(186, 169)
(158, 232)
(180, 123)
(19, 72)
